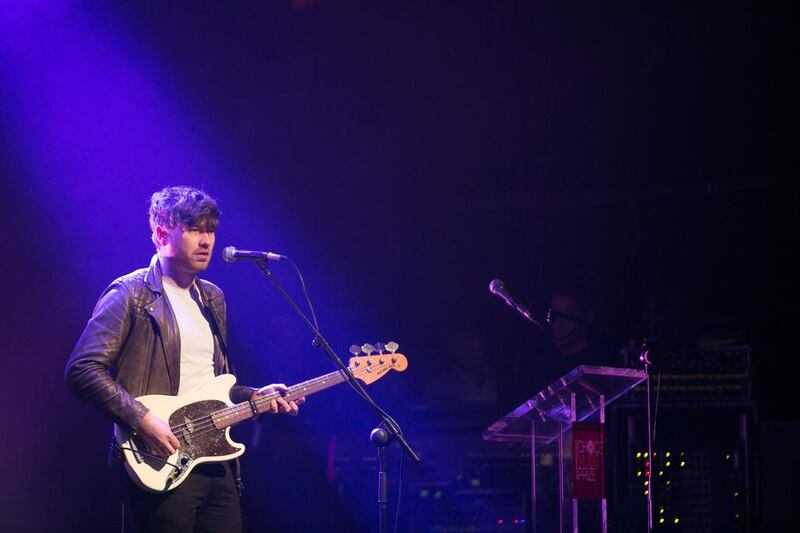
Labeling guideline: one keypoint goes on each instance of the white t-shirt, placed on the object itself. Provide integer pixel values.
(197, 341)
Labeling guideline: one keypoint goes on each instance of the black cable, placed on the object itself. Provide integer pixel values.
(314, 317)
(351, 381)
(322, 343)
(122, 505)
(399, 493)
(151, 456)
(305, 292)
(655, 411)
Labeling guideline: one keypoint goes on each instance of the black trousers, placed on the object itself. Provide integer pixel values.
(206, 502)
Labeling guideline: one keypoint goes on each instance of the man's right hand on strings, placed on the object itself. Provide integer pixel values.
(158, 436)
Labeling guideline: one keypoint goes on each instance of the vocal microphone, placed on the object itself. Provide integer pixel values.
(498, 288)
(231, 254)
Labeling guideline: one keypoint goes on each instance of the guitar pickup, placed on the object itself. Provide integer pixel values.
(187, 434)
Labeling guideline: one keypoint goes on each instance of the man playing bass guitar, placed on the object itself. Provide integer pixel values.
(162, 330)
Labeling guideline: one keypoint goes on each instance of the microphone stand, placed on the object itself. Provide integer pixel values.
(381, 438)
(644, 357)
(387, 431)
(525, 312)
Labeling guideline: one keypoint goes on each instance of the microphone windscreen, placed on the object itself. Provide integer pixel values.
(496, 286)
(229, 254)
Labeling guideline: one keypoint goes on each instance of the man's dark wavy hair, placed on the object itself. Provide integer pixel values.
(184, 207)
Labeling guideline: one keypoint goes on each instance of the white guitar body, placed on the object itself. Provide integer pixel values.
(201, 441)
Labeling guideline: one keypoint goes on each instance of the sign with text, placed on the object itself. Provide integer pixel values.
(588, 465)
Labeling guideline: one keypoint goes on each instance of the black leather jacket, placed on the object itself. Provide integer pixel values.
(131, 346)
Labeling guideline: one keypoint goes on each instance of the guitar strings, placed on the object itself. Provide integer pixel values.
(240, 408)
(232, 410)
(205, 424)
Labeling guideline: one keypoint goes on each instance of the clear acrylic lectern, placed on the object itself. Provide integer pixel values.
(575, 397)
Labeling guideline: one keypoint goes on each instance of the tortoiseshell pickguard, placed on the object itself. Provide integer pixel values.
(200, 438)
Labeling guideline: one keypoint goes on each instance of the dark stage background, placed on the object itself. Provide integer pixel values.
(403, 156)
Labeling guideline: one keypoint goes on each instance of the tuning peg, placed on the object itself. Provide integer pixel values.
(392, 346)
(355, 349)
(379, 347)
(367, 348)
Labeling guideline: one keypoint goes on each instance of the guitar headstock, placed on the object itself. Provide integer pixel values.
(369, 366)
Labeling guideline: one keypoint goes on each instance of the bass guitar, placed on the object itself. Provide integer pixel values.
(201, 420)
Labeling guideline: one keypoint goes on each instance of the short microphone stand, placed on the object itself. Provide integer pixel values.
(382, 438)
(388, 429)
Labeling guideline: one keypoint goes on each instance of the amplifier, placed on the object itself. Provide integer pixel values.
(701, 376)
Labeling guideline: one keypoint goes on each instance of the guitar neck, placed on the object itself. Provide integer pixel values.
(231, 416)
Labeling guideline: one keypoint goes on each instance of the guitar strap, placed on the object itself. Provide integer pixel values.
(227, 368)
